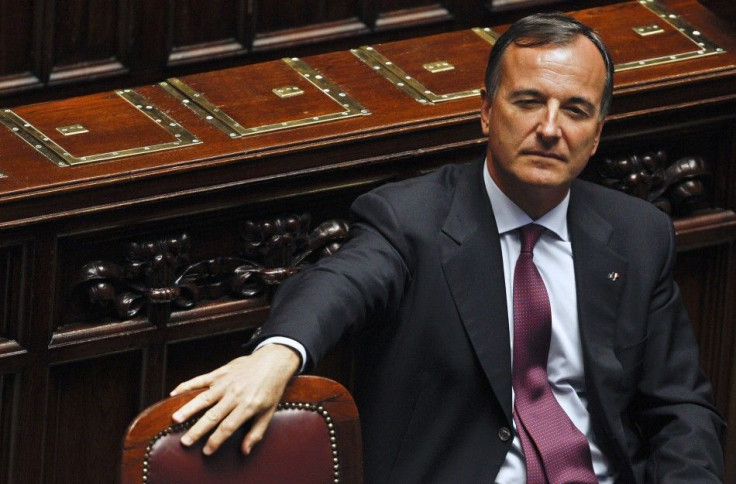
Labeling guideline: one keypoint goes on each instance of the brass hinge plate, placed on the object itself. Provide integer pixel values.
(701, 45)
(409, 84)
(61, 157)
(198, 102)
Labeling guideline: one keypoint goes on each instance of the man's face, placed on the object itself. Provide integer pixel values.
(543, 120)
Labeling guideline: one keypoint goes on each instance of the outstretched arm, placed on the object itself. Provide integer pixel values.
(366, 277)
(246, 389)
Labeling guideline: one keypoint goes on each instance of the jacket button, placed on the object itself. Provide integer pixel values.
(504, 434)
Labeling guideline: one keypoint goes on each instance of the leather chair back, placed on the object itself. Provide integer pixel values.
(313, 438)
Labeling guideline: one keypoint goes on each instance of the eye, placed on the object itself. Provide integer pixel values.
(527, 102)
(578, 112)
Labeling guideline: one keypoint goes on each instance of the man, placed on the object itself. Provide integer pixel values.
(431, 283)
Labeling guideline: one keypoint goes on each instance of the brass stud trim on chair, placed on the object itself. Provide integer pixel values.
(319, 409)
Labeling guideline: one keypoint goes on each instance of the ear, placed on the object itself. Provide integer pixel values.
(597, 138)
(485, 111)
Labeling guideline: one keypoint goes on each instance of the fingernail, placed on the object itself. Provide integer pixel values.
(207, 450)
(186, 440)
(177, 416)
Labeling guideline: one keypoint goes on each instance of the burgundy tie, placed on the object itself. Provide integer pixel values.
(556, 451)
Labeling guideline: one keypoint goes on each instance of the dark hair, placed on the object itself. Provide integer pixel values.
(544, 29)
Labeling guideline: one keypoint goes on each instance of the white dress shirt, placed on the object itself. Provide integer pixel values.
(553, 258)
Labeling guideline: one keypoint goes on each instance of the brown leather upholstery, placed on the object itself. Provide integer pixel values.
(313, 438)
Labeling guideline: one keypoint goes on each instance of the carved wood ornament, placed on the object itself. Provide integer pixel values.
(679, 188)
(158, 278)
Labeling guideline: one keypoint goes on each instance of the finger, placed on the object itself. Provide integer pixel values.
(228, 426)
(200, 402)
(201, 381)
(209, 420)
(258, 430)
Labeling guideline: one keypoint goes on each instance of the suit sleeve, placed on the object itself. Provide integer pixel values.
(364, 280)
(673, 409)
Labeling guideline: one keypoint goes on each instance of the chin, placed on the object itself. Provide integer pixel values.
(545, 178)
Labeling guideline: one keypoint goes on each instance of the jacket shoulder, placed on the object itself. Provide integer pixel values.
(616, 206)
(429, 195)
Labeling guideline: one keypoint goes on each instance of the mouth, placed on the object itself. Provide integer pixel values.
(544, 154)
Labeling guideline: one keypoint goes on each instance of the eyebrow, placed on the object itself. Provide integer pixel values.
(574, 100)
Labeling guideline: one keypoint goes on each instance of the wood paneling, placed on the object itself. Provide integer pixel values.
(203, 31)
(279, 26)
(696, 272)
(53, 48)
(7, 427)
(89, 407)
(407, 13)
(84, 39)
(11, 284)
(15, 280)
(20, 45)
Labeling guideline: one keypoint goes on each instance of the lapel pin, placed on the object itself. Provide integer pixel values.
(613, 276)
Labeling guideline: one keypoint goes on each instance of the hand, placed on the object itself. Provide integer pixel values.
(247, 388)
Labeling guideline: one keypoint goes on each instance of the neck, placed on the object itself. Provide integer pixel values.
(536, 201)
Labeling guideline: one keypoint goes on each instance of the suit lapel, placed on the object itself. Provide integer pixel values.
(473, 266)
(600, 276)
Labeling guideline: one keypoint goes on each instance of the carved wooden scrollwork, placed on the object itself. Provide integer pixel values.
(678, 188)
(283, 245)
(158, 278)
(145, 281)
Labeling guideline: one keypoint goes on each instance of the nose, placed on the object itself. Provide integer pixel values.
(549, 127)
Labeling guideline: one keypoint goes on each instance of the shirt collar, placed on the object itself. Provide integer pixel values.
(510, 217)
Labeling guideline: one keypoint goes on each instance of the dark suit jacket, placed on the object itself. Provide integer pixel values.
(421, 283)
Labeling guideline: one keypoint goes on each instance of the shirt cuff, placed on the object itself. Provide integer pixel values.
(293, 344)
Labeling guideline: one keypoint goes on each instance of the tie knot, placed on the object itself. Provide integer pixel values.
(530, 234)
